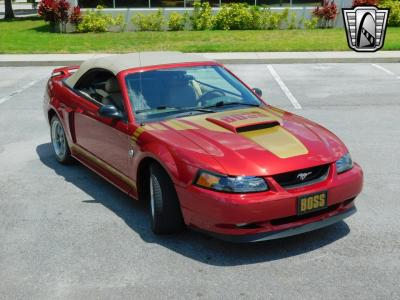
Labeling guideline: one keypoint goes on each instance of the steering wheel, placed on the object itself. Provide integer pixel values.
(207, 96)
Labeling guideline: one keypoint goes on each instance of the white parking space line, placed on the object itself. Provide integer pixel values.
(8, 97)
(284, 88)
(385, 70)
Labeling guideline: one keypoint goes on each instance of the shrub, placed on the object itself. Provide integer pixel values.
(75, 17)
(394, 15)
(311, 23)
(234, 16)
(176, 21)
(283, 16)
(292, 22)
(275, 21)
(119, 22)
(48, 10)
(56, 12)
(326, 14)
(150, 22)
(201, 17)
(63, 11)
(270, 20)
(364, 3)
(300, 22)
(96, 21)
(256, 12)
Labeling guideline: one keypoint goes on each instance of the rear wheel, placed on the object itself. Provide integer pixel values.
(166, 216)
(59, 141)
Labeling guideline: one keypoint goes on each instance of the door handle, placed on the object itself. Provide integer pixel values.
(131, 153)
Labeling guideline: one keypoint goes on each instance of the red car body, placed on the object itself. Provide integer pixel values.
(212, 142)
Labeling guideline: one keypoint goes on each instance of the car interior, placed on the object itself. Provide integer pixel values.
(170, 89)
(165, 88)
(147, 90)
(102, 87)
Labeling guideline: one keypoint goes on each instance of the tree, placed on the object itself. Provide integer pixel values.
(9, 13)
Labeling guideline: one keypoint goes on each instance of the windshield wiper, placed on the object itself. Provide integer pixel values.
(157, 108)
(178, 109)
(202, 109)
(222, 103)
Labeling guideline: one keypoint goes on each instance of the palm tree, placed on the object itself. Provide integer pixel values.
(9, 13)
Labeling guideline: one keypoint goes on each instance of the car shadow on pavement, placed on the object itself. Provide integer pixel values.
(188, 243)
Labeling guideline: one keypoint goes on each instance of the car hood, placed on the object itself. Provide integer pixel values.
(256, 141)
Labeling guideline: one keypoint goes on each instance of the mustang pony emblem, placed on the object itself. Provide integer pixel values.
(303, 176)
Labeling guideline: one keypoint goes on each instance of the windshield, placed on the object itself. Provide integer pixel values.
(176, 92)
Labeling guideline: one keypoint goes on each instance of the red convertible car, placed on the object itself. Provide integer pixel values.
(185, 134)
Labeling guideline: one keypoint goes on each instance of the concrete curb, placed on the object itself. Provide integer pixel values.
(26, 60)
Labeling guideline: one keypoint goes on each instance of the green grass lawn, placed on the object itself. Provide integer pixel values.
(32, 36)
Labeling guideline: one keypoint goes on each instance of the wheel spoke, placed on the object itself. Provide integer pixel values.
(152, 196)
(58, 129)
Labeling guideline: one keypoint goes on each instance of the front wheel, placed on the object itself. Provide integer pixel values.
(166, 216)
(59, 141)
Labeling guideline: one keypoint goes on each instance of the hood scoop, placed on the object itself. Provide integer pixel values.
(240, 128)
(259, 126)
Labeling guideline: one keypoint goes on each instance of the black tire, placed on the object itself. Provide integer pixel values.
(59, 141)
(165, 210)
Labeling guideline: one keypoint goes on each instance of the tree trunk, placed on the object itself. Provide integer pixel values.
(9, 13)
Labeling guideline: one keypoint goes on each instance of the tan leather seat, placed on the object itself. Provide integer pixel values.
(114, 94)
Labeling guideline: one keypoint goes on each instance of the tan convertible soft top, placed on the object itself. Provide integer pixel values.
(119, 62)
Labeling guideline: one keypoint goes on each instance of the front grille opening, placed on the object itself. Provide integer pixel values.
(302, 177)
(240, 226)
(248, 226)
(287, 220)
(296, 218)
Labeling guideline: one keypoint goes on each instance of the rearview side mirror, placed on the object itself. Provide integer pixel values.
(110, 111)
(257, 91)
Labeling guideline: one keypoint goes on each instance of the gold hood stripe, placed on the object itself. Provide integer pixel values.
(277, 140)
(276, 111)
(203, 123)
(263, 116)
(158, 126)
(178, 125)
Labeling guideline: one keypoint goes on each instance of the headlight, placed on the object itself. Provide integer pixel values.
(344, 163)
(230, 184)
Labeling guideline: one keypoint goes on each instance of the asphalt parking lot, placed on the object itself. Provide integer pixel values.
(66, 233)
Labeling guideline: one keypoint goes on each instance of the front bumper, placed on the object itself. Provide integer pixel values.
(271, 214)
(265, 236)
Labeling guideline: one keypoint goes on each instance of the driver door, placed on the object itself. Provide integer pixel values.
(103, 142)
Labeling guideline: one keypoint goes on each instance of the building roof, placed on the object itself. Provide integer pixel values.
(119, 62)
